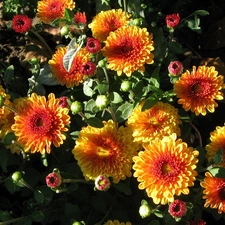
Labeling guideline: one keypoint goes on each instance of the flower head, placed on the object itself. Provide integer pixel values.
(128, 49)
(165, 168)
(80, 18)
(172, 20)
(53, 180)
(74, 76)
(197, 222)
(102, 183)
(63, 102)
(106, 21)
(116, 222)
(214, 192)
(21, 23)
(197, 90)
(107, 150)
(49, 10)
(40, 123)
(175, 68)
(93, 45)
(159, 121)
(177, 208)
(88, 68)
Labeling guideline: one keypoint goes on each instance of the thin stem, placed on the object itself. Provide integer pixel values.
(12, 221)
(197, 132)
(106, 74)
(109, 109)
(107, 213)
(124, 5)
(76, 181)
(10, 108)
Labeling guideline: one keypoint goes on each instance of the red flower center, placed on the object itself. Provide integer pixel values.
(199, 88)
(222, 191)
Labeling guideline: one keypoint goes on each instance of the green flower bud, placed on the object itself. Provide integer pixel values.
(102, 63)
(137, 22)
(16, 176)
(2, 101)
(126, 85)
(144, 211)
(64, 30)
(76, 223)
(76, 107)
(102, 101)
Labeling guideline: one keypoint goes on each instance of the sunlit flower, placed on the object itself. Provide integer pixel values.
(214, 192)
(93, 45)
(217, 139)
(53, 180)
(106, 21)
(49, 10)
(175, 68)
(116, 222)
(102, 183)
(177, 208)
(197, 222)
(80, 18)
(197, 90)
(21, 23)
(88, 68)
(41, 123)
(165, 168)
(107, 150)
(128, 49)
(160, 120)
(172, 20)
(74, 76)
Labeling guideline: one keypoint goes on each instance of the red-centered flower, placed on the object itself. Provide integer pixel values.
(177, 208)
(93, 45)
(175, 68)
(107, 150)
(165, 168)
(172, 20)
(214, 192)
(53, 180)
(88, 68)
(80, 18)
(41, 123)
(197, 90)
(74, 76)
(63, 102)
(107, 21)
(128, 49)
(197, 222)
(49, 10)
(102, 183)
(21, 23)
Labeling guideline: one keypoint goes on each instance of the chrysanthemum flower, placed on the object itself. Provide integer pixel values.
(106, 21)
(175, 68)
(197, 90)
(214, 192)
(21, 23)
(107, 150)
(88, 68)
(128, 49)
(177, 208)
(197, 222)
(116, 222)
(74, 76)
(160, 120)
(102, 183)
(217, 139)
(93, 45)
(165, 168)
(80, 18)
(49, 10)
(53, 180)
(172, 20)
(41, 123)
(63, 102)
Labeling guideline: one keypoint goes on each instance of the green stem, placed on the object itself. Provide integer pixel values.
(107, 213)
(109, 109)
(76, 181)
(124, 5)
(106, 74)
(12, 221)
(10, 108)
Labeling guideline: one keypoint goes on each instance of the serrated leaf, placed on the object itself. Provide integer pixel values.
(115, 98)
(123, 112)
(217, 172)
(95, 122)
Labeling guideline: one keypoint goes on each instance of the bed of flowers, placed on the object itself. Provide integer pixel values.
(110, 114)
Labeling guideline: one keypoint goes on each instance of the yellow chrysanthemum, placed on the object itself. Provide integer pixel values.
(41, 123)
(214, 192)
(128, 49)
(107, 150)
(49, 10)
(116, 222)
(197, 90)
(74, 76)
(106, 21)
(165, 168)
(217, 139)
(160, 120)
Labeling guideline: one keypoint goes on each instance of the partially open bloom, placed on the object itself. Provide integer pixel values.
(102, 183)
(107, 150)
(172, 20)
(88, 68)
(159, 121)
(53, 180)
(63, 102)
(197, 90)
(165, 168)
(177, 208)
(217, 139)
(49, 10)
(93, 45)
(80, 18)
(175, 68)
(74, 76)
(41, 123)
(197, 222)
(128, 49)
(116, 222)
(106, 21)
(214, 192)
(21, 23)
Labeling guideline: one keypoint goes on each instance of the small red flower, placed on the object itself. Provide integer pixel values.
(93, 45)
(175, 68)
(197, 222)
(63, 102)
(172, 20)
(177, 208)
(102, 183)
(53, 180)
(88, 68)
(80, 18)
(21, 23)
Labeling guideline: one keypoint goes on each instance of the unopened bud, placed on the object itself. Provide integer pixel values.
(102, 101)
(64, 30)
(76, 107)
(126, 86)
(144, 211)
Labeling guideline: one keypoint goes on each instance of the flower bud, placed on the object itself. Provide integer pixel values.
(53, 180)
(64, 30)
(177, 208)
(172, 20)
(102, 63)
(144, 211)
(175, 68)
(76, 107)
(16, 176)
(102, 183)
(126, 85)
(102, 101)
(2, 101)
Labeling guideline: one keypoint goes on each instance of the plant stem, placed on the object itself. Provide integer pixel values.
(106, 74)
(12, 221)
(198, 133)
(76, 181)
(124, 5)
(10, 108)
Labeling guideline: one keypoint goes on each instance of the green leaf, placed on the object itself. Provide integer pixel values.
(90, 108)
(115, 98)
(154, 222)
(11, 186)
(98, 204)
(69, 14)
(200, 13)
(151, 101)
(43, 195)
(88, 88)
(72, 211)
(158, 213)
(5, 216)
(218, 157)
(175, 47)
(217, 172)
(9, 138)
(121, 187)
(9, 73)
(123, 112)
(95, 122)
(37, 216)
(102, 88)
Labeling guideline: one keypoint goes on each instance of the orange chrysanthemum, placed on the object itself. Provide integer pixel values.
(49, 10)
(41, 123)
(214, 192)
(106, 21)
(165, 168)
(198, 90)
(75, 75)
(159, 121)
(107, 150)
(128, 49)
(116, 222)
